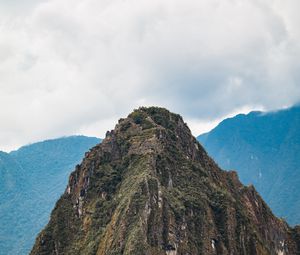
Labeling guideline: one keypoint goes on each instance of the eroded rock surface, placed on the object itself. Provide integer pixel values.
(150, 188)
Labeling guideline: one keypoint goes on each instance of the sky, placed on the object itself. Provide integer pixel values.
(77, 66)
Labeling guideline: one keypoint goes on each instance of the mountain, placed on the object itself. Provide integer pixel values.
(150, 188)
(11, 176)
(264, 148)
(32, 179)
(10, 172)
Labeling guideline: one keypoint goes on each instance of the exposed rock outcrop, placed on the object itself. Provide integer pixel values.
(150, 188)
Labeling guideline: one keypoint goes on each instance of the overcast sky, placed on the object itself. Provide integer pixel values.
(77, 66)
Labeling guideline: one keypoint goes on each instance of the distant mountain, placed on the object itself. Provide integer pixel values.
(12, 181)
(264, 148)
(10, 173)
(32, 179)
(151, 189)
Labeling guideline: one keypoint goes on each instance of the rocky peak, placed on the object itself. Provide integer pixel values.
(150, 188)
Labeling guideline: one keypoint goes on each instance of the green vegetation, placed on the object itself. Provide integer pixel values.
(264, 148)
(140, 118)
(31, 180)
(155, 191)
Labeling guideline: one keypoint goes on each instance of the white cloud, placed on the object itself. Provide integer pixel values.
(75, 66)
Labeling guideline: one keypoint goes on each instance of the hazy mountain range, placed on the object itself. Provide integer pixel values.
(264, 148)
(32, 178)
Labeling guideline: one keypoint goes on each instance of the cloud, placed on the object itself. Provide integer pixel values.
(77, 66)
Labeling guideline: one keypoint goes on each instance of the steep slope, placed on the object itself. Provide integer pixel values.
(150, 188)
(265, 150)
(31, 181)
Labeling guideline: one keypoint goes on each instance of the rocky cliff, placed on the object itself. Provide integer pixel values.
(150, 188)
(264, 148)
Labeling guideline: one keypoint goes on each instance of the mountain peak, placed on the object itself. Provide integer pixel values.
(148, 130)
(153, 118)
(156, 116)
(150, 188)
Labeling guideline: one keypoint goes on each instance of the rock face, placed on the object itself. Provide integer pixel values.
(150, 188)
(32, 178)
(264, 148)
